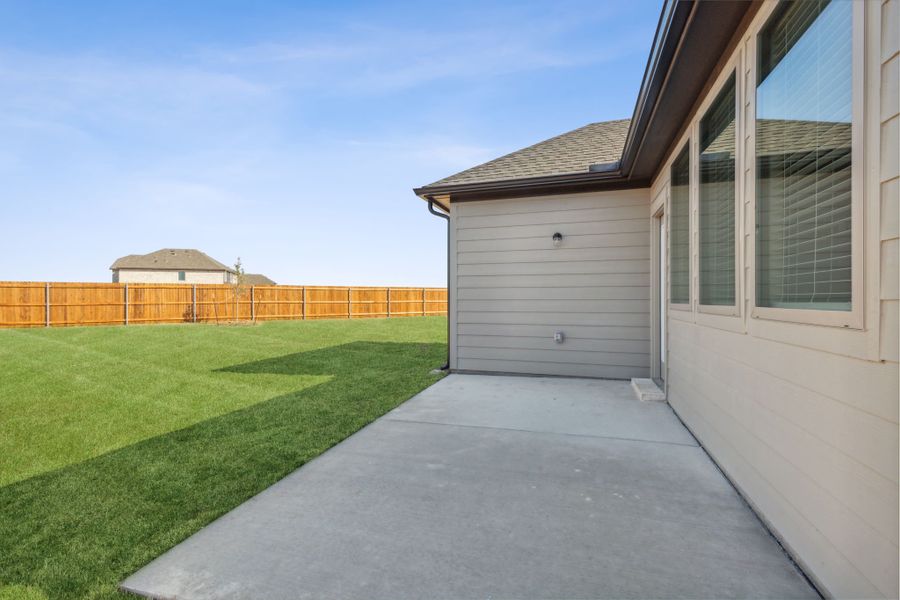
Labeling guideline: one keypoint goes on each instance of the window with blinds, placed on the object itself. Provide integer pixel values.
(680, 230)
(803, 142)
(717, 208)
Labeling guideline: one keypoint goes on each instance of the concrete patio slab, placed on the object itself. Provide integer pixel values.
(492, 487)
(592, 407)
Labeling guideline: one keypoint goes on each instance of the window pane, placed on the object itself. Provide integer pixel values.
(804, 105)
(680, 231)
(717, 146)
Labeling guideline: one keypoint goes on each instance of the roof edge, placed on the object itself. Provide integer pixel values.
(562, 178)
(436, 184)
(203, 270)
(697, 38)
(672, 23)
(531, 186)
(680, 20)
(215, 265)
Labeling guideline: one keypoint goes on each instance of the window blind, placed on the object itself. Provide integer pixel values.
(679, 230)
(717, 155)
(803, 148)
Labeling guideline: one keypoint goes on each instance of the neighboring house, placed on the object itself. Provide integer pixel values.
(737, 240)
(257, 279)
(171, 265)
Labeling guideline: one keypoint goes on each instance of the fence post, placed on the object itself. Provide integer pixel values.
(280, 299)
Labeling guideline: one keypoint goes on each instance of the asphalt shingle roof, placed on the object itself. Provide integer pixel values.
(183, 259)
(572, 152)
(779, 136)
(257, 279)
(577, 150)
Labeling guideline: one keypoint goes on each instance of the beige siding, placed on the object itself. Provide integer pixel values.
(819, 467)
(888, 180)
(804, 418)
(514, 289)
(159, 276)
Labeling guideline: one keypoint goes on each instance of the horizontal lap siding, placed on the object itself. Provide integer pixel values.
(554, 280)
(889, 180)
(555, 293)
(545, 368)
(805, 427)
(572, 319)
(811, 439)
(514, 290)
(640, 266)
(638, 224)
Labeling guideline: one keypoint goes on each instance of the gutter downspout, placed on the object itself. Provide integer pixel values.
(446, 366)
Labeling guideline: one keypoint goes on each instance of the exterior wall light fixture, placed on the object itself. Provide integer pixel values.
(557, 240)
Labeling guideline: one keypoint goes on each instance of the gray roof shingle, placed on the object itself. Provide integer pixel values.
(257, 279)
(182, 259)
(571, 152)
(780, 136)
(575, 151)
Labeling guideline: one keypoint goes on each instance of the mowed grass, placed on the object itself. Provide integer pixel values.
(116, 443)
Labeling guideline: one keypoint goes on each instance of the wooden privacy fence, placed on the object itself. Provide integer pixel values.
(32, 304)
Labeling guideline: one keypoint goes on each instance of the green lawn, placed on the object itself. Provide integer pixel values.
(118, 442)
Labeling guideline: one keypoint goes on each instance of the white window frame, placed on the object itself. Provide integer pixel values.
(689, 305)
(852, 319)
(659, 294)
(734, 66)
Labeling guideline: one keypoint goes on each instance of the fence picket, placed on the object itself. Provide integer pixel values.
(63, 304)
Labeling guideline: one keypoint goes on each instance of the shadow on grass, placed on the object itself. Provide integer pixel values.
(345, 359)
(78, 531)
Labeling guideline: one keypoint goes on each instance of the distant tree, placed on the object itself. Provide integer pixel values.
(239, 287)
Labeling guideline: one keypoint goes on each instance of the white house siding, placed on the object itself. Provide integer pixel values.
(159, 276)
(514, 289)
(804, 418)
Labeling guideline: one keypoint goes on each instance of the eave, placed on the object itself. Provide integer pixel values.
(688, 47)
(531, 186)
(693, 39)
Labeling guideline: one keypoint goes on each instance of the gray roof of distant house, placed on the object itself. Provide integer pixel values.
(572, 152)
(257, 279)
(181, 259)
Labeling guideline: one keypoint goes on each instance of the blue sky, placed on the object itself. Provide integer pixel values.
(287, 133)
